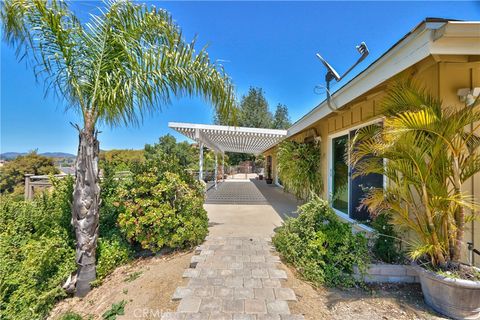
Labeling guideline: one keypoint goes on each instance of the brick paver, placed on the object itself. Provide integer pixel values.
(234, 278)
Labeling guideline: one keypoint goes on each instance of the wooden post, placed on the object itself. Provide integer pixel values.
(28, 187)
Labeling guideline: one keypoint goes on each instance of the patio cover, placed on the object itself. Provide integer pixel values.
(228, 138)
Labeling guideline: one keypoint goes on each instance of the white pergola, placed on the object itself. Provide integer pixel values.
(223, 139)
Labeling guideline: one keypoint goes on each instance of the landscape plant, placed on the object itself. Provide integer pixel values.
(427, 151)
(323, 249)
(162, 209)
(128, 60)
(120, 159)
(37, 252)
(117, 309)
(299, 168)
(387, 245)
(70, 316)
(37, 247)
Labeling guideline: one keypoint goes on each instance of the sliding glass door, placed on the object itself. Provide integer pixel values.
(340, 174)
(359, 187)
(347, 193)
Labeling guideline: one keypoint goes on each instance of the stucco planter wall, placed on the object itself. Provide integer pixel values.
(456, 298)
(388, 273)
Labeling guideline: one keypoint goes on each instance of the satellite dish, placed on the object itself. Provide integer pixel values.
(332, 74)
(330, 69)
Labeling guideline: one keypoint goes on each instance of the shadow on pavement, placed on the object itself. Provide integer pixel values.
(284, 203)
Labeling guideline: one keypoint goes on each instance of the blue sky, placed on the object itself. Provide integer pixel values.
(266, 44)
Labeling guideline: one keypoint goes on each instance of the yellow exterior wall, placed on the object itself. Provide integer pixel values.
(441, 75)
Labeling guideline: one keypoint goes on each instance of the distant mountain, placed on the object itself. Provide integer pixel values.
(10, 155)
(13, 155)
(58, 155)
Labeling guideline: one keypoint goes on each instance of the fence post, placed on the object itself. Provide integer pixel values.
(28, 187)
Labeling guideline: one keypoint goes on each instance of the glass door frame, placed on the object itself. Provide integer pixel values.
(331, 137)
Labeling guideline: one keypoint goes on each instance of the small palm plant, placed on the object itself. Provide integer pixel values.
(127, 61)
(427, 151)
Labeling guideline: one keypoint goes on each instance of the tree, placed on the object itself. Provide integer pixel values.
(168, 152)
(427, 151)
(254, 111)
(281, 119)
(121, 159)
(125, 62)
(12, 174)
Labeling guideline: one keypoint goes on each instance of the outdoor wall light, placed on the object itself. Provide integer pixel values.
(468, 96)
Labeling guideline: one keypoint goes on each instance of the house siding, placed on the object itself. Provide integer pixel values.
(442, 76)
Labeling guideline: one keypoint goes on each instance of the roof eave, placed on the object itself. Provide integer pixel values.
(427, 38)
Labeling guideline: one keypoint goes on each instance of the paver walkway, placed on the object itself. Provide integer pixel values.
(234, 278)
(234, 274)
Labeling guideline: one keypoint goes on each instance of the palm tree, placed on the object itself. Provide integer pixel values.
(127, 61)
(427, 151)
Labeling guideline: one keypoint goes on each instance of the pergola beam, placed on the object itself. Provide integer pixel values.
(231, 139)
(200, 137)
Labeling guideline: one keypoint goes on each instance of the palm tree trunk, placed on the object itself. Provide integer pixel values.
(85, 214)
(459, 213)
(438, 256)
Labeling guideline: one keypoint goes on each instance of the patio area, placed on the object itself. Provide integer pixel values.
(248, 208)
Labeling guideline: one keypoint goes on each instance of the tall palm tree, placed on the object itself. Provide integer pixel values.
(127, 61)
(427, 151)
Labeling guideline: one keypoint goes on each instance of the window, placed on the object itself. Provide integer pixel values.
(347, 193)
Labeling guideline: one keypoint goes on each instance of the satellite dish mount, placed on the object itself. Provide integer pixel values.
(332, 74)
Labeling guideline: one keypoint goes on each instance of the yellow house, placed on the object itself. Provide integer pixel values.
(441, 55)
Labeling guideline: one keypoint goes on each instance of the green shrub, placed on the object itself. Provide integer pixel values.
(109, 209)
(386, 246)
(161, 209)
(112, 252)
(113, 249)
(321, 247)
(36, 252)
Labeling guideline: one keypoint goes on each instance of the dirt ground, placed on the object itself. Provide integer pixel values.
(146, 284)
(386, 301)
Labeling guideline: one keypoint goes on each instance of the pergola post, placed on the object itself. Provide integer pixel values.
(223, 166)
(200, 163)
(216, 171)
